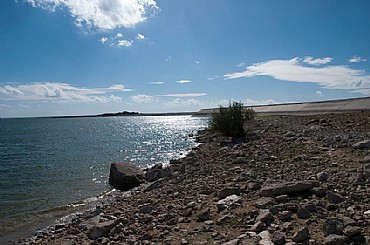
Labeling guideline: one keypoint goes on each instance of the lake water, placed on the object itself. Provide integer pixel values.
(48, 166)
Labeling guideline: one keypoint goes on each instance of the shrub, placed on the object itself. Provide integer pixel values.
(230, 120)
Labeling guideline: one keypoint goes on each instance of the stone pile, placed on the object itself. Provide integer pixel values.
(293, 180)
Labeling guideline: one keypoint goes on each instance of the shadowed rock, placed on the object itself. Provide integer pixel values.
(125, 176)
(287, 188)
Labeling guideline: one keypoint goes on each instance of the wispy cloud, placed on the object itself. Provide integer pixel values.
(142, 99)
(318, 93)
(251, 102)
(183, 81)
(60, 92)
(124, 43)
(184, 95)
(103, 40)
(356, 59)
(295, 70)
(156, 83)
(103, 14)
(184, 103)
(362, 91)
(241, 64)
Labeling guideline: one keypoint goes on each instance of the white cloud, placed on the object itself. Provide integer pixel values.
(250, 102)
(197, 62)
(60, 92)
(103, 40)
(140, 36)
(142, 99)
(319, 93)
(169, 58)
(213, 77)
(356, 59)
(184, 103)
(103, 14)
(156, 83)
(119, 35)
(335, 77)
(184, 95)
(183, 81)
(310, 60)
(124, 43)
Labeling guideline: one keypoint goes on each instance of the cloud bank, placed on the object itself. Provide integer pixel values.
(301, 70)
(60, 93)
(103, 14)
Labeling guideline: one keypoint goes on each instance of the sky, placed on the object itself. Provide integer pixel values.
(68, 57)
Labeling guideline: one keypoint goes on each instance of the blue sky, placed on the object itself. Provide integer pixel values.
(66, 57)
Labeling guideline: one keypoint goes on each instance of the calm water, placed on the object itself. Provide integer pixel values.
(48, 164)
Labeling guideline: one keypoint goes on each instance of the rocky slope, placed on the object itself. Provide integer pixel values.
(293, 180)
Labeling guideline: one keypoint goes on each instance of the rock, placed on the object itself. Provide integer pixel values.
(367, 170)
(351, 230)
(232, 242)
(288, 188)
(253, 186)
(125, 176)
(100, 229)
(278, 238)
(204, 215)
(258, 227)
(334, 198)
(228, 202)
(333, 226)
(285, 215)
(362, 145)
(303, 213)
(301, 235)
(334, 239)
(289, 134)
(366, 159)
(147, 209)
(264, 202)
(265, 216)
(265, 238)
(322, 176)
(227, 191)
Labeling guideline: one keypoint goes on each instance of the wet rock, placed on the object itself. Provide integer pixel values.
(125, 176)
(301, 235)
(288, 188)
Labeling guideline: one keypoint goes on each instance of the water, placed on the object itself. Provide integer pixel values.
(48, 164)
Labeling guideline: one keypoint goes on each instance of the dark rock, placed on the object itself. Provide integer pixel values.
(333, 226)
(258, 227)
(303, 213)
(288, 188)
(322, 176)
(334, 239)
(227, 191)
(204, 215)
(125, 176)
(284, 215)
(301, 235)
(265, 216)
(334, 197)
(362, 145)
(351, 231)
(278, 238)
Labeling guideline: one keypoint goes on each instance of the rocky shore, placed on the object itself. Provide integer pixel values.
(293, 180)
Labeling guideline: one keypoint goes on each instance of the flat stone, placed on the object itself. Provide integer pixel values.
(351, 230)
(264, 202)
(227, 191)
(362, 145)
(288, 188)
(100, 229)
(228, 202)
(258, 227)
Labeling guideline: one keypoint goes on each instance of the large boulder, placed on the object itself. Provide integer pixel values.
(287, 188)
(125, 176)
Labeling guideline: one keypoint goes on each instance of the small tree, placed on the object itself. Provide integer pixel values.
(230, 120)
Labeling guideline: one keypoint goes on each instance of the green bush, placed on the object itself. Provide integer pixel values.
(230, 120)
